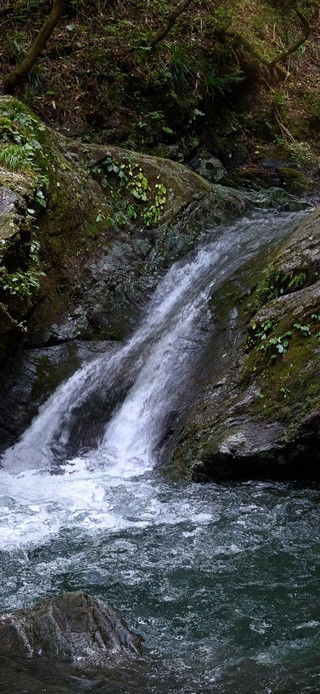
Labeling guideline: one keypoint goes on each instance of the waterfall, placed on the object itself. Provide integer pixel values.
(152, 367)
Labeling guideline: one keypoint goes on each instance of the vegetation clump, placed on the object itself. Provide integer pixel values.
(26, 166)
(134, 194)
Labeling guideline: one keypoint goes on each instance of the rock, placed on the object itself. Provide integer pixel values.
(209, 167)
(31, 376)
(87, 230)
(74, 627)
(293, 180)
(259, 417)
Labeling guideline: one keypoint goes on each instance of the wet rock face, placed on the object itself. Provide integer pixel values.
(30, 377)
(74, 627)
(259, 417)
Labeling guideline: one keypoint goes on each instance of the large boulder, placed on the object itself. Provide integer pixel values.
(259, 417)
(86, 231)
(73, 627)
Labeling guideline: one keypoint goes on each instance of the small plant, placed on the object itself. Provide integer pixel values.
(279, 97)
(153, 214)
(18, 43)
(222, 83)
(303, 329)
(20, 150)
(298, 280)
(182, 68)
(261, 339)
(132, 210)
(147, 203)
(276, 283)
(137, 183)
(276, 345)
(154, 122)
(119, 218)
(285, 392)
(281, 101)
(23, 284)
(271, 286)
(16, 156)
(259, 332)
(300, 152)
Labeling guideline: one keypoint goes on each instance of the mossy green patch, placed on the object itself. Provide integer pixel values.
(286, 379)
(289, 391)
(293, 180)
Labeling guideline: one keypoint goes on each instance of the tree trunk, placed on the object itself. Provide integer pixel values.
(171, 20)
(22, 69)
(294, 46)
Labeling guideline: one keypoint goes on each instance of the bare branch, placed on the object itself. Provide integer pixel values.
(171, 20)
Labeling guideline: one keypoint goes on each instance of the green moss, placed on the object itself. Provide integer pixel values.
(294, 181)
(287, 384)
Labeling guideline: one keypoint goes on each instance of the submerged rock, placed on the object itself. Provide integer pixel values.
(259, 417)
(74, 627)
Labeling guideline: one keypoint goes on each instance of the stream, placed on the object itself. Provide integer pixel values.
(222, 580)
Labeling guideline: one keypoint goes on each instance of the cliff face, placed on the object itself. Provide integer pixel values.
(260, 416)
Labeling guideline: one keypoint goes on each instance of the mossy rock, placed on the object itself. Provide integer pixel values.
(259, 417)
(293, 180)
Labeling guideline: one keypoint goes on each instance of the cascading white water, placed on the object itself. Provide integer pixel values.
(157, 358)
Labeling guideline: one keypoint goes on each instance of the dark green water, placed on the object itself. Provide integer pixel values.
(223, 581)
